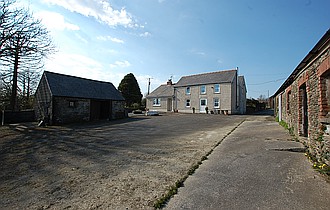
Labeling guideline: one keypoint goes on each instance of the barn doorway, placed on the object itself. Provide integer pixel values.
(100, 110)
(303, 108)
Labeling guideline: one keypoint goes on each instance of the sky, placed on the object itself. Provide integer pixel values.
(162, 39)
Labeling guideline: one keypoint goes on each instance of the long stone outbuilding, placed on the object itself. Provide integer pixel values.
(303, 100)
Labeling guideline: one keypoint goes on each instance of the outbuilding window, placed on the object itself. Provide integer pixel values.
(325, 94)
(288, 100)
(71, 104)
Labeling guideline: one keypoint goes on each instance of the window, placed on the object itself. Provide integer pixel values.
(156, 102)
(71, 104)
(216, 103)
(203, 89)
(188, 103)
(325, 95)
(187, 90)
(217, 88)
(288, 102)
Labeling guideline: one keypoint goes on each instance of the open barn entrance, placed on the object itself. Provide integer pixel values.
(100, 110)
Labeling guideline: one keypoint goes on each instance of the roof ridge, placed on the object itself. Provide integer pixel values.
(214, 72)
(66, 75)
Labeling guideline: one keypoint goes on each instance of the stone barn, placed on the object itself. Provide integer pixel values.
(61, 99)
(303, 100)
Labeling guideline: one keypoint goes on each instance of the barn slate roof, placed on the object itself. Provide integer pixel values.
(77, 87)
(207, 78)
(162, 91)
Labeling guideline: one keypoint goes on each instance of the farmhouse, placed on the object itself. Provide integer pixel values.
(303, 100)
(61, 99)
(218, 92)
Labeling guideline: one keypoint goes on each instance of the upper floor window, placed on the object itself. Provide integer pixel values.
(156, 102)
(188, 90)
(203, 89)
(217, 88)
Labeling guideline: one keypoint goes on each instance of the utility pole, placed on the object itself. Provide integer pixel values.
(149, 85)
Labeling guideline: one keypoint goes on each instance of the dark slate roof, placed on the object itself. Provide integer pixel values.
(207, 78)
(162, 91)
(70, 86)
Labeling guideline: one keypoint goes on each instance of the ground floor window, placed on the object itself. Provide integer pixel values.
(288, 99)
(156, 102)
(71, 104)
(188, 103)
(216, 102)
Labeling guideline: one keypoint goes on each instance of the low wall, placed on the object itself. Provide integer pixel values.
(18, 116)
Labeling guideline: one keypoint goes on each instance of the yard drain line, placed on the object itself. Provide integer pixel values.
(297, 149)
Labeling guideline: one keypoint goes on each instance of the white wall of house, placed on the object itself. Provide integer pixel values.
(162, 105)
(224, 98)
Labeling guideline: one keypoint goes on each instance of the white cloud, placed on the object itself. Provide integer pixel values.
(81, 38)
(98, 9)
(197, 52)
(56, 21)
(120, 64)
(75, 64)
(113, 39)
(82, 66)
(145, 34)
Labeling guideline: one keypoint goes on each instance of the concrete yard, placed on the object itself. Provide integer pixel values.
(125, 164)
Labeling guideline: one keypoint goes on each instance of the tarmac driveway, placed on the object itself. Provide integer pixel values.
(255, 167)
(126, 164)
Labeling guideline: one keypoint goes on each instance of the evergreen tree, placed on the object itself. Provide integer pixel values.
(130, 90)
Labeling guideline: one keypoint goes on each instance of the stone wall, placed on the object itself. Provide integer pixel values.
(317, 140)
(68, 110)
(118, 110)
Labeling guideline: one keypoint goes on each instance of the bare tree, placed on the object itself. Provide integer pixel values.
(24, 45)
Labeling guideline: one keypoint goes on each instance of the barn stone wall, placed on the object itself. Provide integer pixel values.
(318, 139)
(68, 110)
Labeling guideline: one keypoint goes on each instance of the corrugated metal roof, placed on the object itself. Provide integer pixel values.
(207, 78)
(162, 91)
(71, 86)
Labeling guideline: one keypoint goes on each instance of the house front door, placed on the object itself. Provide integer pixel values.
(202, 105)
